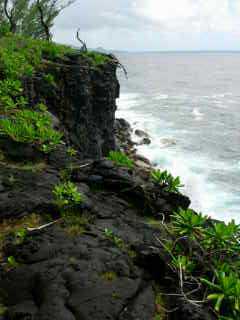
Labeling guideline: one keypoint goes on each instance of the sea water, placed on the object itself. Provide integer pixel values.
(189, 104)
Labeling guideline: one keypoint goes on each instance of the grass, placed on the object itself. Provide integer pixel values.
(75, 223)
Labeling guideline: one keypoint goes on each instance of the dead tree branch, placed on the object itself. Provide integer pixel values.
(84, 46)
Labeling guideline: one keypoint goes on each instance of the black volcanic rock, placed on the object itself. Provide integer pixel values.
(83, 100)
(110, 269)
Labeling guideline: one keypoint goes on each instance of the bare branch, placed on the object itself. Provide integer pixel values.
(84, 46)
(43, 23)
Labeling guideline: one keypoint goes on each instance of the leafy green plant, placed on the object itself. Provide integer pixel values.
(183, 263)
(20, 235)
(12, 263)
(121, 159)
(222, 235)
(49, 78)
(71, 152)
(33, 127)
(188, 223)
(115, 239)
(225, 293)
(166, 180)
(96, 58)
(67, 195)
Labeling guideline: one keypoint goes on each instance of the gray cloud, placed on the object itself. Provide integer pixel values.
(151, 24)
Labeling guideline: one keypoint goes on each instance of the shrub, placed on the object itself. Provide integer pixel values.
(33, 127)
(187, 222)
(225, 292)
(67, 195)
(121, 159)
(211, 251)
(166, 180)
(96, 58)
(221, 235)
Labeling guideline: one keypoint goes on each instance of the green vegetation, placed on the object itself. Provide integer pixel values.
(188, 223)
(30, 18)
(121, 159)
(49, 78)
(3, 310)
(166, 180)
(160, 313)
(12, 263)
(18, 229)
(67, 196)
(74, 223)
(96, 58)
(109, 276)
(207, 252)
(118, 242)
(21, 57)
(32, 127)
(71, 152)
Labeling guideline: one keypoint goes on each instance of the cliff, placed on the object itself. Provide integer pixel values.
(83, 98)
(81, 235)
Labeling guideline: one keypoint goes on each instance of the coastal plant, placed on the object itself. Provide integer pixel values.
(166, 180)
(121, 159)
(114, 238)
(67, 196)
(20, 235)
(223, 236)
(49, 78)
(195, 239)
(71, 152)
(225, 293)
(188, 223)
(12, 263)
(183, 263)
(33, 127)
(96, 58)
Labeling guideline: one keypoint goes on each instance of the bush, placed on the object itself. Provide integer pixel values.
(188, 223)
(166, 180)
(121, 159)
(67, 195)
(208, 252)
(33, 127)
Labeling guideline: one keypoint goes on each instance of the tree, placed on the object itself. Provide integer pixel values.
(31, 18)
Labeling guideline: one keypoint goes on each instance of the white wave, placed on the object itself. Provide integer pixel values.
(197, 113)
(194, 169)
(128, 100)
(161, 97)
(222, 95)
(167, 142)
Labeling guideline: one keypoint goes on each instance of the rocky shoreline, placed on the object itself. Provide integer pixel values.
(104, 259)
(89, 275)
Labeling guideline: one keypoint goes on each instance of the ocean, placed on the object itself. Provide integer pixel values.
(189, 104)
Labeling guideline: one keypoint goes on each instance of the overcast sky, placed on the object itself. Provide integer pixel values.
(152, 24)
